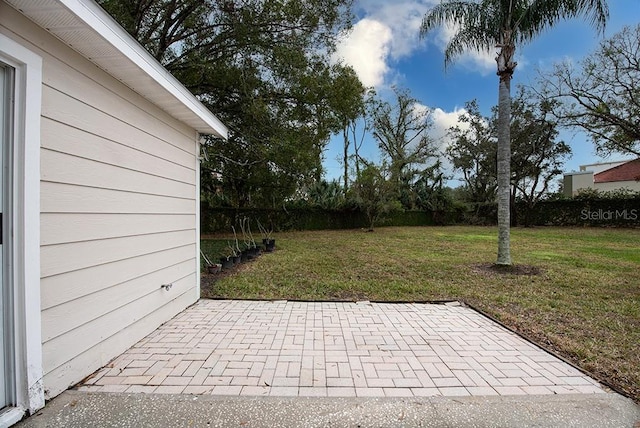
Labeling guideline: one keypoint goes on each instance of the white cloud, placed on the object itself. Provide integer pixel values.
(403, 17)
(484, 62)
(387, 32)
(366, 49)
(442, 121)
(390, 31)
(419, 110)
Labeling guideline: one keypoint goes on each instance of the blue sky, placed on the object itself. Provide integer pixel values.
(385, 50)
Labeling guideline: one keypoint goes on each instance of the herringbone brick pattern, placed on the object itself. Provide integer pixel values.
(336, 349)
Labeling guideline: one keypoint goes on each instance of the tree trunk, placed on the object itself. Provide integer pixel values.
(514, 209)
(356, 152)
(345, 134)
(504, 169)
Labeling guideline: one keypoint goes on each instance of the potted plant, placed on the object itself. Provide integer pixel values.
(212, 268)
(268, 242)
(227, 260)
(231, 257)
(251, 249)
(237, 259)
(235, 248)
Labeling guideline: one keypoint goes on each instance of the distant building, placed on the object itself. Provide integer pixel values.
(604, 176)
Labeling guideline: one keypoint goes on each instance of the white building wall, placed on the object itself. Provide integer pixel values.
(602, 166)
(575, 181)
(118, 211)
(616, 185)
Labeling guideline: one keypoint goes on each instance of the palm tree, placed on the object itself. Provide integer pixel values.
(487, 24)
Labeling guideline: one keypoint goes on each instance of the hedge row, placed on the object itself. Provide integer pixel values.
(599, 212)
(216, 220)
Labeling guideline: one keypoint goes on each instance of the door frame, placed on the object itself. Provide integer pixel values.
(25, 218)
(6, 290)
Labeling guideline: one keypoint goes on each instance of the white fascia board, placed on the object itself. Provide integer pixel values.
(578, 173)
(96, 18)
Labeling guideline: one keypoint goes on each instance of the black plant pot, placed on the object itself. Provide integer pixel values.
(251, 253)
(237, 260)
(227, 262)
(269, 244)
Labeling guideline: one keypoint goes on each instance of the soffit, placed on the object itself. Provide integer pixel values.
(87, 28)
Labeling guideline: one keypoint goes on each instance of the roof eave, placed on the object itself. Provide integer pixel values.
(114, 47)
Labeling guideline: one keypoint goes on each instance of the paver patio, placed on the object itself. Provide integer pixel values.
(364, 349)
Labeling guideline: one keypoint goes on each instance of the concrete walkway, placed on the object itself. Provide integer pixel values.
(329, 349)
(293, 364)
(75, 409)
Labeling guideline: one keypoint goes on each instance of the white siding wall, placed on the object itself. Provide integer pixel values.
(118, 215)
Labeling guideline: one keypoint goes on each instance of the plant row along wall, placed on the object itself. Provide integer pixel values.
(570, 212)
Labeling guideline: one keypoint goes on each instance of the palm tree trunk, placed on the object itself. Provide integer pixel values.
(504, 169)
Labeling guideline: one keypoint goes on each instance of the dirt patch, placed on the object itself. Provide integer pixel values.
(493, 269)
(208, 282)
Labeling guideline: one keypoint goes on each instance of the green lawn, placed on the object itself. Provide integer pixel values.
(584, 304)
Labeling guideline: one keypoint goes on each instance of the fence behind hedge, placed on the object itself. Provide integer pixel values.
(572, 212)
(215, 220)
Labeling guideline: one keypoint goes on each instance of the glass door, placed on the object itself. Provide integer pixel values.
(6, 314)
(3, 302)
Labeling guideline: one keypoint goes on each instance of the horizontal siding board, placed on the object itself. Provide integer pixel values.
(63, 348)
(69, 373)
(63, 168)
(64, 109)
(59, 289)
(73, 141)
(69, 198)
(112, 102)
(57, 259)
(71, 315)
(66, 228)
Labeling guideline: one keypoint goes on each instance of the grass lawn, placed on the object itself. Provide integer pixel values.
(584, 304)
